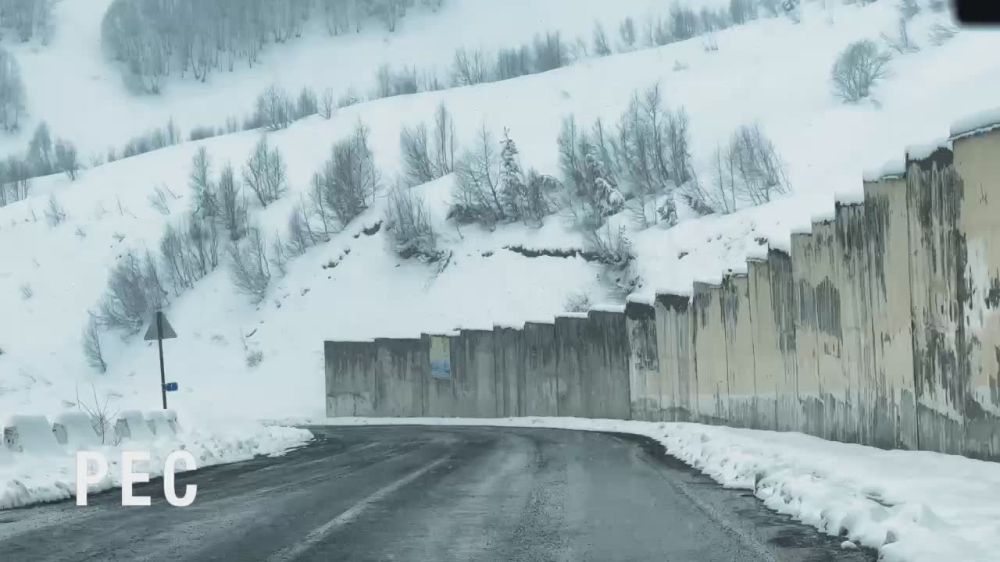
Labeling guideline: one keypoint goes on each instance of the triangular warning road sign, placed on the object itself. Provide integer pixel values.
(158, 323)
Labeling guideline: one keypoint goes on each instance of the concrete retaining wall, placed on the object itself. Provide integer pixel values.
(879, 326)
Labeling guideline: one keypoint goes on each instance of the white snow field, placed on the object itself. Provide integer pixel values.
(83, 98)
(911, 506)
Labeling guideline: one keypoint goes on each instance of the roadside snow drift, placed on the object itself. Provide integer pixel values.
(43, 474)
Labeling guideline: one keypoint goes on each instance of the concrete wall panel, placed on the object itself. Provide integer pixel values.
(768, 364)
(541, 382)
(674, 344)
(937, 261)
(402, 370)
(350, 378)
(810, 390)
(508, 367)
(977, 163)
(606, 384)
(475, 381)
(740, 370)
(711, 366)
(888, 245)
(571, 334)
(644, 362)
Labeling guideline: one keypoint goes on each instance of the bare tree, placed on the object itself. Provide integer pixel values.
(550, 52)
(326, 106)
(134, 292)
(307, 104)
(249, 266)
(857, 69)
(66, 159)
(417, 165)
(92, 344)
(444, 145)
(349, 180)
(200, 181)
(274, 110)
(232, 203)
(54, 213)
(469, 68)
(265, 173)
(11, 92)
(601, 46)
(409, 224)
(477, 184)
(626, 32)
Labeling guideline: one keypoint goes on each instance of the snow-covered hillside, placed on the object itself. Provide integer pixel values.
(72, 86)
(771, 71)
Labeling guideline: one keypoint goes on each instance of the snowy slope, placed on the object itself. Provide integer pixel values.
(72, 86)
(771, 71)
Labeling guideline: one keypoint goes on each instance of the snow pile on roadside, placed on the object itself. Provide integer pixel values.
(910, 505)
(27, 478)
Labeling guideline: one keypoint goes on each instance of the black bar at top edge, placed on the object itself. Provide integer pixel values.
(977, 12)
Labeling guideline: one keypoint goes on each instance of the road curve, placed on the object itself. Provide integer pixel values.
(431, 493)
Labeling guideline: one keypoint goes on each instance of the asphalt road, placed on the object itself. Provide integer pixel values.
(436, 494)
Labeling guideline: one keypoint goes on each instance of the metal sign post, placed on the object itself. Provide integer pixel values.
(159, 330)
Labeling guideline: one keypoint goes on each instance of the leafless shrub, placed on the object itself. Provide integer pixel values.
(158, 200)
(747, 171)
(54, 213)
(626, 32)
(857, 69)
(189, 252)
(477, 184)
(326, 105)
(307, 104)
(26, 292)
(349, 180)
(274, 109)
(901, 42)
(941, 34)
(615, 251)
(408, 223)
(265, 173)
(101, 415)
(199, 133)
(469, 68)
(601, 46)
(249, 267)
(578, 302)
(512, 63)
(134, 292)
(591, 188)
(254, 358)
(92, 345)
(417, 166)
(550, 52)
(232, 203)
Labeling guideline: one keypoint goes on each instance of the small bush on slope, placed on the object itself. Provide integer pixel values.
(857, 69)
(408, 223)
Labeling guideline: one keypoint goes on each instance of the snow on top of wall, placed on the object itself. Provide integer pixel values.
(581, 315)
(758, 252)
(976, 123)
(895, 168)
(923, 151)
(641, 298)
(850, 197)
(674, 293)
(826, 215)
(606, 307)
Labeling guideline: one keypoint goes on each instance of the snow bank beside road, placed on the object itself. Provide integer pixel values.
(912, 506)
(27, 478)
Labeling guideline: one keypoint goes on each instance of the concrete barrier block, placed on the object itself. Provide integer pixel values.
(132, 426)
(508, 368)
(675, 347)
(571, 337)
(606, 378)
(769, 369)
(937, 264)
(541, 380)
(741, 373)
(350, 378)
(806, 336)
(712, 370)
(75, 430)
(645, 390)
(474, 372)
(441, 392)
(888, 244)
(163, 423)
(30, 434)
(976, 162)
